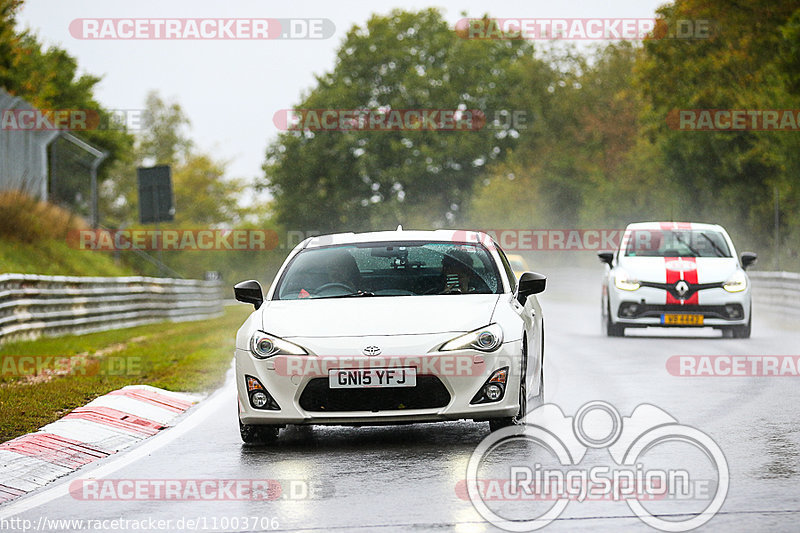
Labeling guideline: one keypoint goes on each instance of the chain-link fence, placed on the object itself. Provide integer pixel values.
(44, 162)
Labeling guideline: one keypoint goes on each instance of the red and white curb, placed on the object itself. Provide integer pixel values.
(105, 426)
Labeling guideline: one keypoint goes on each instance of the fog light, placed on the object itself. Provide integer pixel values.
(493, 392)
(734, 311)
(493, 388)
(259, 399)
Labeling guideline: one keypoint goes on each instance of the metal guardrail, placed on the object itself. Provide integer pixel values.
(776, 289)
(32, 305)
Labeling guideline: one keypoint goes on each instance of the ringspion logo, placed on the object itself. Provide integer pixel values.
(542, 462)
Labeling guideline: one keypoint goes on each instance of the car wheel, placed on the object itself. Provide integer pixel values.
(742, 332)
(500, 423)
(253, 434)
(613, 330)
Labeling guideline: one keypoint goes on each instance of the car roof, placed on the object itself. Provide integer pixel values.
(455, 236)
(674, 225)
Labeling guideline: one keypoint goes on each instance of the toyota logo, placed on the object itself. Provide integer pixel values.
(681, 288)
(372, 350)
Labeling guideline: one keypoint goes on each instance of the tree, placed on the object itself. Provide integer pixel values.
(48, 79)
(164, 140)
(736, 68)
(368, 179)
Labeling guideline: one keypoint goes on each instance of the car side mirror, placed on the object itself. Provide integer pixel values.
(530, 283)
(249, 292)
(748, 258)
(606, 257)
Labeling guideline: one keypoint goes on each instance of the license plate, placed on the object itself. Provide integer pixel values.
(682, 320)
(372, 377)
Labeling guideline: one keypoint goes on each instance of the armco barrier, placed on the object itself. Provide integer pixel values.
(32, 305)
(777, 289)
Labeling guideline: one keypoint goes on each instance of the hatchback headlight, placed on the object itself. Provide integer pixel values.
(263, 345)
(623, 280)
(486, 339)
(736, 283)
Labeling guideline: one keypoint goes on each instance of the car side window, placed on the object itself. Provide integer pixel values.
(512, 279)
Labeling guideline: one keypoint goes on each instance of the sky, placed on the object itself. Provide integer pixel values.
(230, 89)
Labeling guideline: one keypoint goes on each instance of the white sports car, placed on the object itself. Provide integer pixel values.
(390, 327)
(676, 274)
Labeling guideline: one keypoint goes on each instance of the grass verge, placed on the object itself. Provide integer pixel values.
(42, 380)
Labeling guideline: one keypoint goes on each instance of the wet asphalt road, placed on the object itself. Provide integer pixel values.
(406, 478)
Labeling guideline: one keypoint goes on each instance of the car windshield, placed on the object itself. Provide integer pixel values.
(676, 243)
(389, 269)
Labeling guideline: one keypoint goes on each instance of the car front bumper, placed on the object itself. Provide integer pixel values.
(647, 306)
(447, 381)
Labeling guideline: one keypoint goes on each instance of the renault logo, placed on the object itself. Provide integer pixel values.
(681, 288)
(372, 350)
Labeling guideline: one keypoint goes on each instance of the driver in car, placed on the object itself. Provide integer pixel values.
(456, 271)
(342, 270)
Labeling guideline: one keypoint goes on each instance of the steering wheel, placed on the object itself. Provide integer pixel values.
(335, 284)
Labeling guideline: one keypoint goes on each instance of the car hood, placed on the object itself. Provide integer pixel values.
(390, 315)
(655, 269)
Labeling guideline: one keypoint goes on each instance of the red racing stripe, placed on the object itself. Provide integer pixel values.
(690, 277)
(675, 225)
(674, 275)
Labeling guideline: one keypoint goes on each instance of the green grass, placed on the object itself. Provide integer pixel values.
(55, 257)
(187, 356)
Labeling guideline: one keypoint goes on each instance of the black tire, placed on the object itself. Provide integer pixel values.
(613, 330)
(253, 434)
(500, 423)
(742, 332)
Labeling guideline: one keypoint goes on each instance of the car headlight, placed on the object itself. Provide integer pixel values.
(486, 339)
(736, 283)
(623, 280)
(263, 345)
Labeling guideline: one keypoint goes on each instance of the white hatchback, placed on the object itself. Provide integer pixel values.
(676, 274)
(390, 327)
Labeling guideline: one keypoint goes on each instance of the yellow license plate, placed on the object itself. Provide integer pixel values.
(682, 320)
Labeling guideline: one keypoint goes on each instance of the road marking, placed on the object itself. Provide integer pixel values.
(167, 436)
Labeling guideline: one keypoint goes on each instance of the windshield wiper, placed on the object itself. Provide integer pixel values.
(689, 246)
(717, 249)
(350, 295)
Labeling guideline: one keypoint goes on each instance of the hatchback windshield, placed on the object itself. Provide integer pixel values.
(389, 269)
(676, 243)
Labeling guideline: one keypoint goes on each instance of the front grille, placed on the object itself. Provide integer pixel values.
(429, 393)
(692, 288)
(640, 310)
